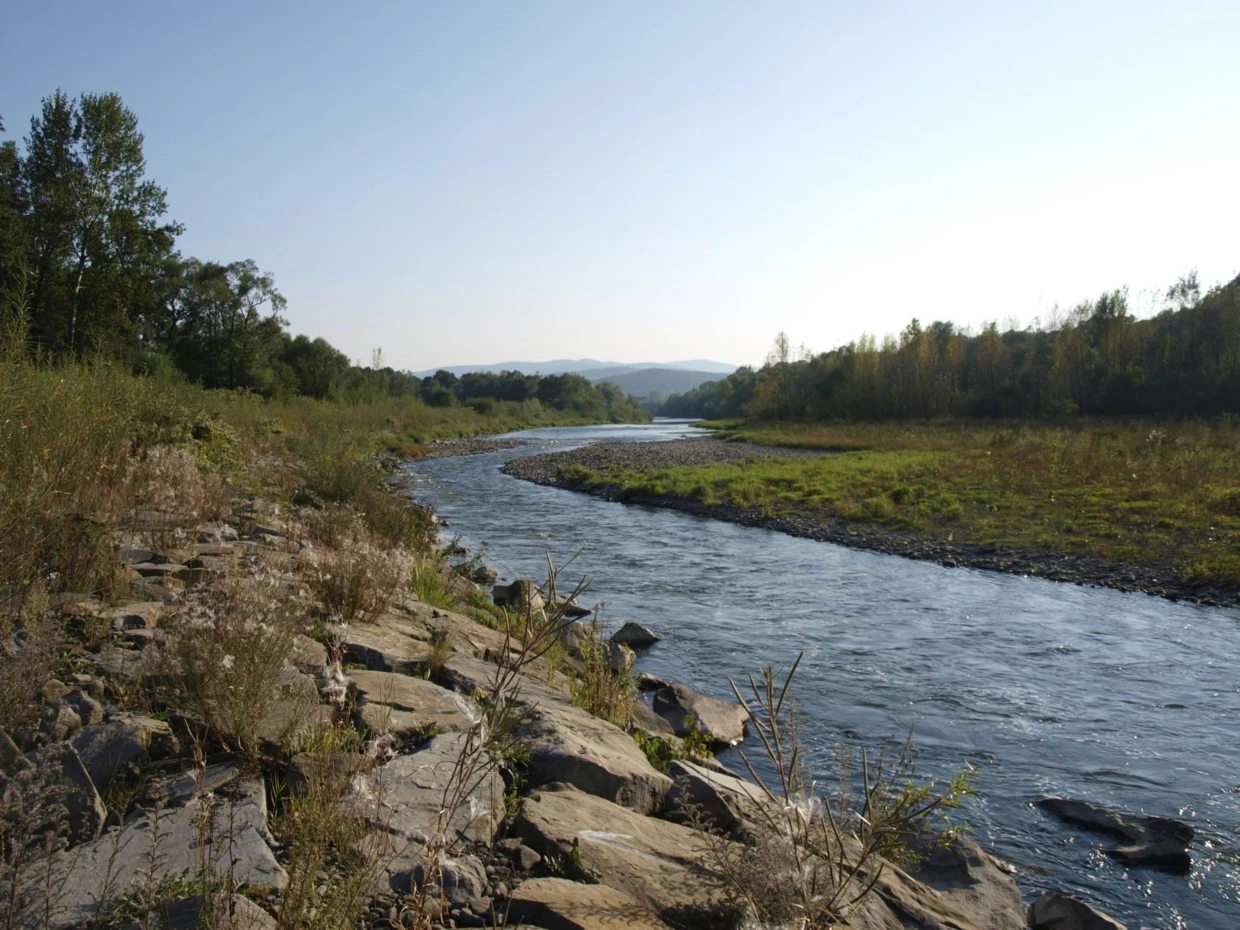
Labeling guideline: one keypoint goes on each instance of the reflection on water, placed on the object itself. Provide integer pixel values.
(1122, 699)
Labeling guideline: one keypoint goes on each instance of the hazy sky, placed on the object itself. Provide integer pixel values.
(478, 182)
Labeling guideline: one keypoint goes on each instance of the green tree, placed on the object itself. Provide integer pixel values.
(94, 221)
(228, 332)
(12, 200)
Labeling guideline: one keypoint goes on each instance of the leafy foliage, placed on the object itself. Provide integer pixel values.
(1098, 360)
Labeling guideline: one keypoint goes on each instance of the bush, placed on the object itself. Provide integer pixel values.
(227, 649)
(358, 580)
(815, 853)
(336, 469)
(605, 693)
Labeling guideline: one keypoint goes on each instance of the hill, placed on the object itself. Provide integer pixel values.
(646, 382)
(589, 367)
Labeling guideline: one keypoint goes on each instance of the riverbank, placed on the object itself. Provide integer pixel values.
(646, 473)
(291, 712)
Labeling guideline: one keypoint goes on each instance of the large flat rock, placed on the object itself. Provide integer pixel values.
(409, 796)
(687, 711)
(656, 863)
(163, 845)
(559, 904)
(389, 702)
(975, 882)
(567, 744)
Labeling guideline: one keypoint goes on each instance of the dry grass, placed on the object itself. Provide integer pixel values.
(226, 654)
(359, 580)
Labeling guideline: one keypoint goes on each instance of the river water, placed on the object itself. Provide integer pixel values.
(1121, 699)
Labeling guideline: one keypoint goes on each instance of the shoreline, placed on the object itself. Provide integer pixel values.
(1155, 580)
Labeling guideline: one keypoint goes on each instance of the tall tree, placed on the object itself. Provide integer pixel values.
(12, 200)
(95, 220)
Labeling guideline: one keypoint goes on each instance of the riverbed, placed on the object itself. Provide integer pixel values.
(1122, 699)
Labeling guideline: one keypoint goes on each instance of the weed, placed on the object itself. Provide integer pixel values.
(600, 689)
(227, 651)
(358, 580)
(815, 854)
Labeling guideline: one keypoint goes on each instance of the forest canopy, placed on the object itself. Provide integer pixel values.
(1099, 361)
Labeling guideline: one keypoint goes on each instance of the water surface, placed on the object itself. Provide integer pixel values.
(1121, 699)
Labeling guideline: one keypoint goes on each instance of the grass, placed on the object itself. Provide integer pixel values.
(1136, 492)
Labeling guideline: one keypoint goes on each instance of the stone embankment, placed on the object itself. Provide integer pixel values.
(444, 770)
(1159, 580)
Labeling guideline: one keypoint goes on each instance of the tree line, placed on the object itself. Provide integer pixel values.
(89, 255)
(1099, 360)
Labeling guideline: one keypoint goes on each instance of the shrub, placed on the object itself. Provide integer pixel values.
(606, 693)
(395, 520)
(816, 853)
(358, 580)
(335, 468)
(31, 644)
(227, 649)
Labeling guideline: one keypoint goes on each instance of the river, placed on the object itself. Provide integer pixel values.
(1121, 699)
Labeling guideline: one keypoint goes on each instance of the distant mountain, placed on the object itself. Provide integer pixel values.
(647, 381)
(589, 367)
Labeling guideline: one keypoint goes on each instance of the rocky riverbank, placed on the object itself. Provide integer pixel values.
(1159, 580)
(264, 726)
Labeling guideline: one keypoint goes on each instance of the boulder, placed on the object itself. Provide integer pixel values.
(392, 703)
(127, 739)
(89, 711)
(559, 904)
(307, 655)
(327, 774)
(406, 796)
(135, 615)
(648, 682)
(568, 744)
(462, 880)
(656, 863)
(1055, 911)
(650, 723)
(974, 881)
(685, 710)
(163, 844)
(12, 759)
(190, 914)
(635, 636)
(59, 721)
(725, 800)
(388, 645)
(117, 662)
(177, 790)
(294, 712)
(520, 595)
(1157, 842)
(620, 657)
(573, 637)
(571, 608)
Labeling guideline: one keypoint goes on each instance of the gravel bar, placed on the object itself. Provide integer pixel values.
(1157, 580)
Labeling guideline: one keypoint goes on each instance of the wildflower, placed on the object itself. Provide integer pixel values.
(226, 663)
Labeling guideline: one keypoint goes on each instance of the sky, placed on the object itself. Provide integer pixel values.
(478, 182)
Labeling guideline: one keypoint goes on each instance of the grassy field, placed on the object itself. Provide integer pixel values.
(74, 441)
(1134, 492)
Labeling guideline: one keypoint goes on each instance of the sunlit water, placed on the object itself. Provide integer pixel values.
(1122, 699)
